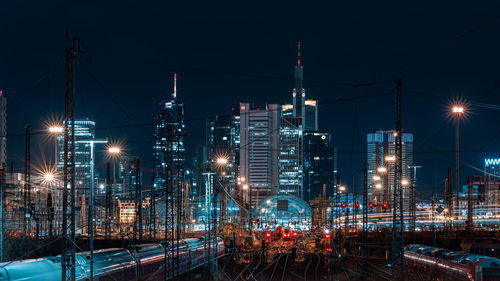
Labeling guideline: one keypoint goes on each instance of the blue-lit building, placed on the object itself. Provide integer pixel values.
(127, 174)
(168, 140)
(84, 130)
(223, 141)
(290, 157)
(320, 165)
(380, 153)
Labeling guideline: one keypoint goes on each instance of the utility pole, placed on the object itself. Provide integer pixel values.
(413, 202)
(107, 226)
(152, 210)
(470, 222)
(365, 217)
(68, 253)
(2, 178)
(397, 215)
(27, 182)
(138, 199)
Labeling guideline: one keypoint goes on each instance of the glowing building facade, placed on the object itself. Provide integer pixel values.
(168, 141)
(223, 141)
(84, 130)
(381, 162)
(259, 144)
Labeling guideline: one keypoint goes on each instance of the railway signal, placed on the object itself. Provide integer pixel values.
(385, 206)
(371, 205)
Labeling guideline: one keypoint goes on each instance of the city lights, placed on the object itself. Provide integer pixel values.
(390, 158)
(378, 186)
(56, 129)
(114, 150)
(245, 187)
(381, 169)
(342, 188)
(404, 182)
(376, 178)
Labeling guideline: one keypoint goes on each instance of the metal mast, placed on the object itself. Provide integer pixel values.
(27, 182)
(68, 254)
(138, 200)
(365, 216)
(107, 226)
(397, 215)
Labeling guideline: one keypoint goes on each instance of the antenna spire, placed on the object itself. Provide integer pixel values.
(298, 53)
(175, 86)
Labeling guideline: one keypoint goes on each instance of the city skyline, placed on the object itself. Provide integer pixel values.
(271, 84)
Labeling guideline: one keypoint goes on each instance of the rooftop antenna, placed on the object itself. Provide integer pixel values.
(175, 86)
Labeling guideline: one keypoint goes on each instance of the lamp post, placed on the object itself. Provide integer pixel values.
(458, 112)
(114, 152)
(91, 142)
(221, 163)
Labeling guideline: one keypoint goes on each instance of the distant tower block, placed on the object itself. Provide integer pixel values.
(3, 130)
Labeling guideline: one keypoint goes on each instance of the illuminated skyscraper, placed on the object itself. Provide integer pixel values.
(3, 130)
(259, 143)
(320, 165)
(300, 107)
(168, 140)
(127, 173)
(84, 130)
(290, 157)
(381, 153)
(223, 141)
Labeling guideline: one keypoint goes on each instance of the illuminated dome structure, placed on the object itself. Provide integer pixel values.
(283, 210)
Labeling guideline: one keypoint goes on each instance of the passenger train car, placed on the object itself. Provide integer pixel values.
(145, 262)
(430, 263)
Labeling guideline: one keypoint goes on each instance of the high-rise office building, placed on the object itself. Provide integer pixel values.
(320, 165)
(381, 163)
(3, 130)
(223, 141)
(84, 130)
(259, 143)
(300, 107)
(168, 141)
(199, 165)
(127, 174)
(290, 157)
(492, 168)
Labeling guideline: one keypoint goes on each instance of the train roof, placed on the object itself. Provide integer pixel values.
(455, 256)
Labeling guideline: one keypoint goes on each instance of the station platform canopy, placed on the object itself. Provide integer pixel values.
(283, 210)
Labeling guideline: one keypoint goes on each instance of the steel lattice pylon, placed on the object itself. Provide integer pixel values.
(68, 254)
(397, 215)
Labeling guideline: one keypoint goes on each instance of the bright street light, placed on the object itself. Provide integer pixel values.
(56, 129)
(114, 150)
(341, 188)
(390, 158)
(381, 169)
(378, 186)
(48, 177)
(404, 182)
(458, 109)
(245, 187)
(376, 178)
(222, 161)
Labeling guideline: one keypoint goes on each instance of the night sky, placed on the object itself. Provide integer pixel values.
(225, 53)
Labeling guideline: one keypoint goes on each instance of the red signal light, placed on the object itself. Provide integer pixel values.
(371, 205)
(240, 235)
(343, 205)
(357, 205)
(329, 250)
(327, 236)
(268, 234)
(385, 206)
(294, 233)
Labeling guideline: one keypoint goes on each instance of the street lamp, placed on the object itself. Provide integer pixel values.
(48, 177)
(404, 182)
(390, 158)
(457, 111)
(55, 130)
(376, 178)
(378, 186)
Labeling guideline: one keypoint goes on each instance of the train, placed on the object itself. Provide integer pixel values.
(143, 262)
(431, 263)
